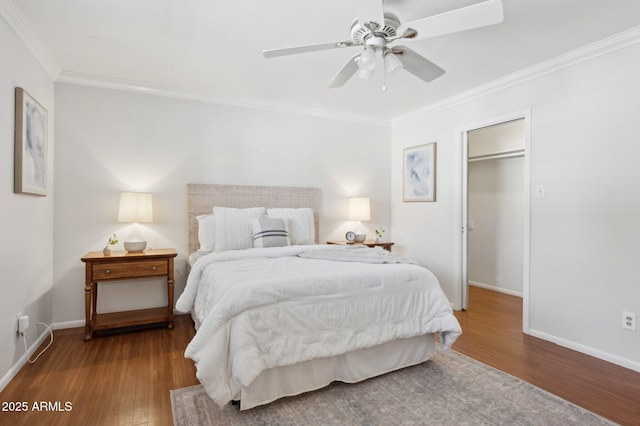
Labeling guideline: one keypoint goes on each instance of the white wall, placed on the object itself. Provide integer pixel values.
(26, 222)
(585, 233)
(109, 141)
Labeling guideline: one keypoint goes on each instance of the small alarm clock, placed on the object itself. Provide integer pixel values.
(350, 236)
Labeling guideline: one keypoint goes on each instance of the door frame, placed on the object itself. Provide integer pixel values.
(464, 135)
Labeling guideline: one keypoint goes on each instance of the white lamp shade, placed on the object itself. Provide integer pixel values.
(367, 61)
(391, 63)
(135, 207)
(359, 209)
(365, 74)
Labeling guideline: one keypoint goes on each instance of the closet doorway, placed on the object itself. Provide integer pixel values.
(496, 209)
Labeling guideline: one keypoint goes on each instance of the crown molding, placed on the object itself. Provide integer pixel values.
(575, 57)
(11, 13)
(103, 82)
(24, 30)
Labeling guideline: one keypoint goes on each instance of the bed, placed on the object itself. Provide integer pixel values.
(278, 320)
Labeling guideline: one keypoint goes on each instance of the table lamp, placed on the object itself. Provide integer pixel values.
(359, 210)
(135, 207)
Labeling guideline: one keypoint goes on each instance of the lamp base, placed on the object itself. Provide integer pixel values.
(135, 246)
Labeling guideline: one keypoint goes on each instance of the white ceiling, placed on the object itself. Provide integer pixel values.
(212, 48)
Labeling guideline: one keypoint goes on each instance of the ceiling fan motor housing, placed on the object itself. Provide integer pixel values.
(360, 33)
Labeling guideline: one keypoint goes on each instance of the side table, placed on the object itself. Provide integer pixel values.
(369, 243)
(121, 265)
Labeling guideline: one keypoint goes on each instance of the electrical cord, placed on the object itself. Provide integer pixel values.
(25, 344)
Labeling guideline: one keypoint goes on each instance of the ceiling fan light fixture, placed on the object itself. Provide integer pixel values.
(365, 74)
(367, 61)
(391, 63)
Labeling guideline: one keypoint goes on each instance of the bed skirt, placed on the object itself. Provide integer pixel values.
(351, 367)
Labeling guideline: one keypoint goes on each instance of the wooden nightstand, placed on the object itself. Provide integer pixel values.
(369, 243)
(124, 266)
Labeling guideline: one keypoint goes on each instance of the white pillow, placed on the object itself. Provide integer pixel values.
(270, 233)
(207, 231)
(301, 225)
(233, 227)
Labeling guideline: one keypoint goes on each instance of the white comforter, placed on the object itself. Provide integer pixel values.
(261, 308)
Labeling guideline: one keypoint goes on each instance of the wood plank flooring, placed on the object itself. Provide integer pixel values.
(120, 379)
(124, 379)
(492, 334)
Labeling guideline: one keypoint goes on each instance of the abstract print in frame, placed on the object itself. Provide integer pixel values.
(419, 182)
(30, 168)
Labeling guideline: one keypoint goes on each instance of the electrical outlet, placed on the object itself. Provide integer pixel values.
(629, 321)
(23, 323)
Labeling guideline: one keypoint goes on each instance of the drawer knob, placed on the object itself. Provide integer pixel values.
(153, 268)
(108, 271)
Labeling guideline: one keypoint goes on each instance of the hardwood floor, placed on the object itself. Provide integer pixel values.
(121, 379)
(124, 379)
(492, 334)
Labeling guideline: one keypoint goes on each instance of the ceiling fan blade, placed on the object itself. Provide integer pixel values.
(273, 53)
(416, 64)
(466, 18)
(369, 11)
(347, 71)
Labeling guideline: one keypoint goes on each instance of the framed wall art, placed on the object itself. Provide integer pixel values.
(30, 158)
(419, 168)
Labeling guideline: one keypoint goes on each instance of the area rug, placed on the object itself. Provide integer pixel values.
(449, 389)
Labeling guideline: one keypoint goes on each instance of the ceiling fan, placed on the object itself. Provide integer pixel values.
(375, 30)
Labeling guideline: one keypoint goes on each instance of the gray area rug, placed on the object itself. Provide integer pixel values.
(450, 389)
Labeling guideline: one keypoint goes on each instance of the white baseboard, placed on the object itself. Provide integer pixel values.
(80, 323)
(494, 288)
(68, 324)
(605, 356)
(23, 360)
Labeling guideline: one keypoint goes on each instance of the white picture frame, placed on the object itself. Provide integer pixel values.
(419, 168)
(30, 145)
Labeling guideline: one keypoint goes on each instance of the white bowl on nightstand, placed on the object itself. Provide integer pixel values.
(135, 246)
(360, 238)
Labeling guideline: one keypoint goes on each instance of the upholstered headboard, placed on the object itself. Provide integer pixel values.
(202, 198)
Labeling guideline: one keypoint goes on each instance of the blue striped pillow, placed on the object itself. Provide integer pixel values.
(270, 233)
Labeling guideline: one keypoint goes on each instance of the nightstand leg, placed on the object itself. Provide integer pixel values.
(170, 292)
(94, 297)
(88, 297)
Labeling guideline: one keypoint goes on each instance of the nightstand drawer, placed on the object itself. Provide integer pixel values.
(119, 270)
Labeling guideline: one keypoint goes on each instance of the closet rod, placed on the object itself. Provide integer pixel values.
(506, 154)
